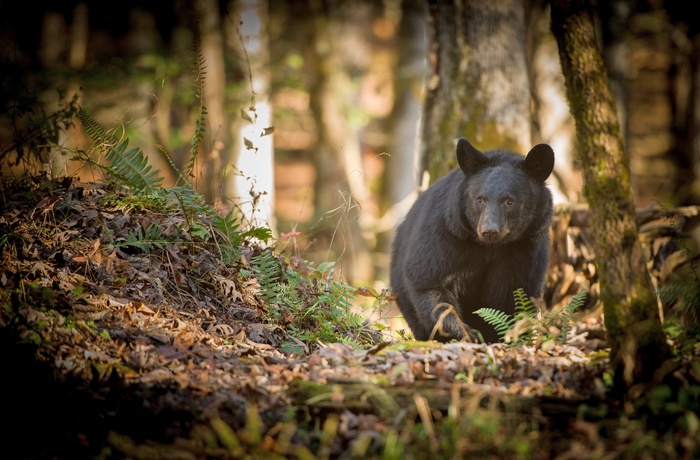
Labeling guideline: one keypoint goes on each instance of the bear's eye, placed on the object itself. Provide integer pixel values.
(480, 200)
(509, 202)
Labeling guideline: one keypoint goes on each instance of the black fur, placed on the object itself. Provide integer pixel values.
(474, 237)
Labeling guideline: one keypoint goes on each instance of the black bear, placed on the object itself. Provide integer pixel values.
(471, 239)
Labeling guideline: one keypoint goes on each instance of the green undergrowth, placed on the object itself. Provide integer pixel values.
(309, 302)
(530, 325)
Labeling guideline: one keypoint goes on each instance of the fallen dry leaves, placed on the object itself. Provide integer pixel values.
(173, 349)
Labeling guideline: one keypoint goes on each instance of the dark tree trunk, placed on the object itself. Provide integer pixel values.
(401, 175)
(632, 321)
(441, 112)
(478, 87)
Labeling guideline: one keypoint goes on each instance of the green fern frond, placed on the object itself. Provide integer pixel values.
(191, 201)
(268, 271)
(576, 302)
(260, 233)
(132, 168)
(311, 306)
(199, 65)
(526, 318)
(501, 321)
(93, 129)
(129, 168)
(228, 226)
(689, 294)
(338, 297)
(146, 241)
(199, 68)
(524, 308)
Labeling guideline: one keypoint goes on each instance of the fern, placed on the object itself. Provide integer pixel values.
(268, 272)
(180, 177)
(500, 320)
(132, 168)
(191, 202)
(311, 306)
(503, 322)
(576, 302)
(228, 226)
(128, 168)
(38, 133)
(94, 129)
(336, 303)
(146, 241)
(524, 308)
(261, 233)
(199, 68)
(339, 295)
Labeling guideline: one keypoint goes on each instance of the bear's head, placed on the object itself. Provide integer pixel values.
(504, 196)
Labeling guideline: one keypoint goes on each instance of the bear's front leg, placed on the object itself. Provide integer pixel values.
(438, 315)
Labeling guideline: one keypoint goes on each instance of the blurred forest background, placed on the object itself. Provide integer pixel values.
(315, 106)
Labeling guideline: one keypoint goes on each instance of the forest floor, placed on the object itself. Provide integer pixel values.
(118, 351)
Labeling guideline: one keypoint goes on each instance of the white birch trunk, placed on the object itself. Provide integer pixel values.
(255, 185)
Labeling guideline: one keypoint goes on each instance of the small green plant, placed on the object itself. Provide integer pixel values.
(575, 303)
(268, 272)
(527, 324)
(147, 240)
(500, 320)
(228, 228)
(525, 313)
(308, 302)
(127, 168)
(198, 67)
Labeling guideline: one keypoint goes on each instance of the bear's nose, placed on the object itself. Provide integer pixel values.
(489, 234)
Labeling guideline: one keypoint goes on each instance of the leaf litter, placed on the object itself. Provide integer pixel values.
(169, 354)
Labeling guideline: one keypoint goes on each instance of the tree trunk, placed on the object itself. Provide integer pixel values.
(401, 176)
(336, 201)
(690, 144)
(552, 122)
(632, 321)
(77, 51)
(479, 85)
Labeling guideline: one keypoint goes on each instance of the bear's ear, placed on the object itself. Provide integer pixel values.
(539, 162)
(469, 158)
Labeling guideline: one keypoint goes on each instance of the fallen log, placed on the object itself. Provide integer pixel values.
(390, 401)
